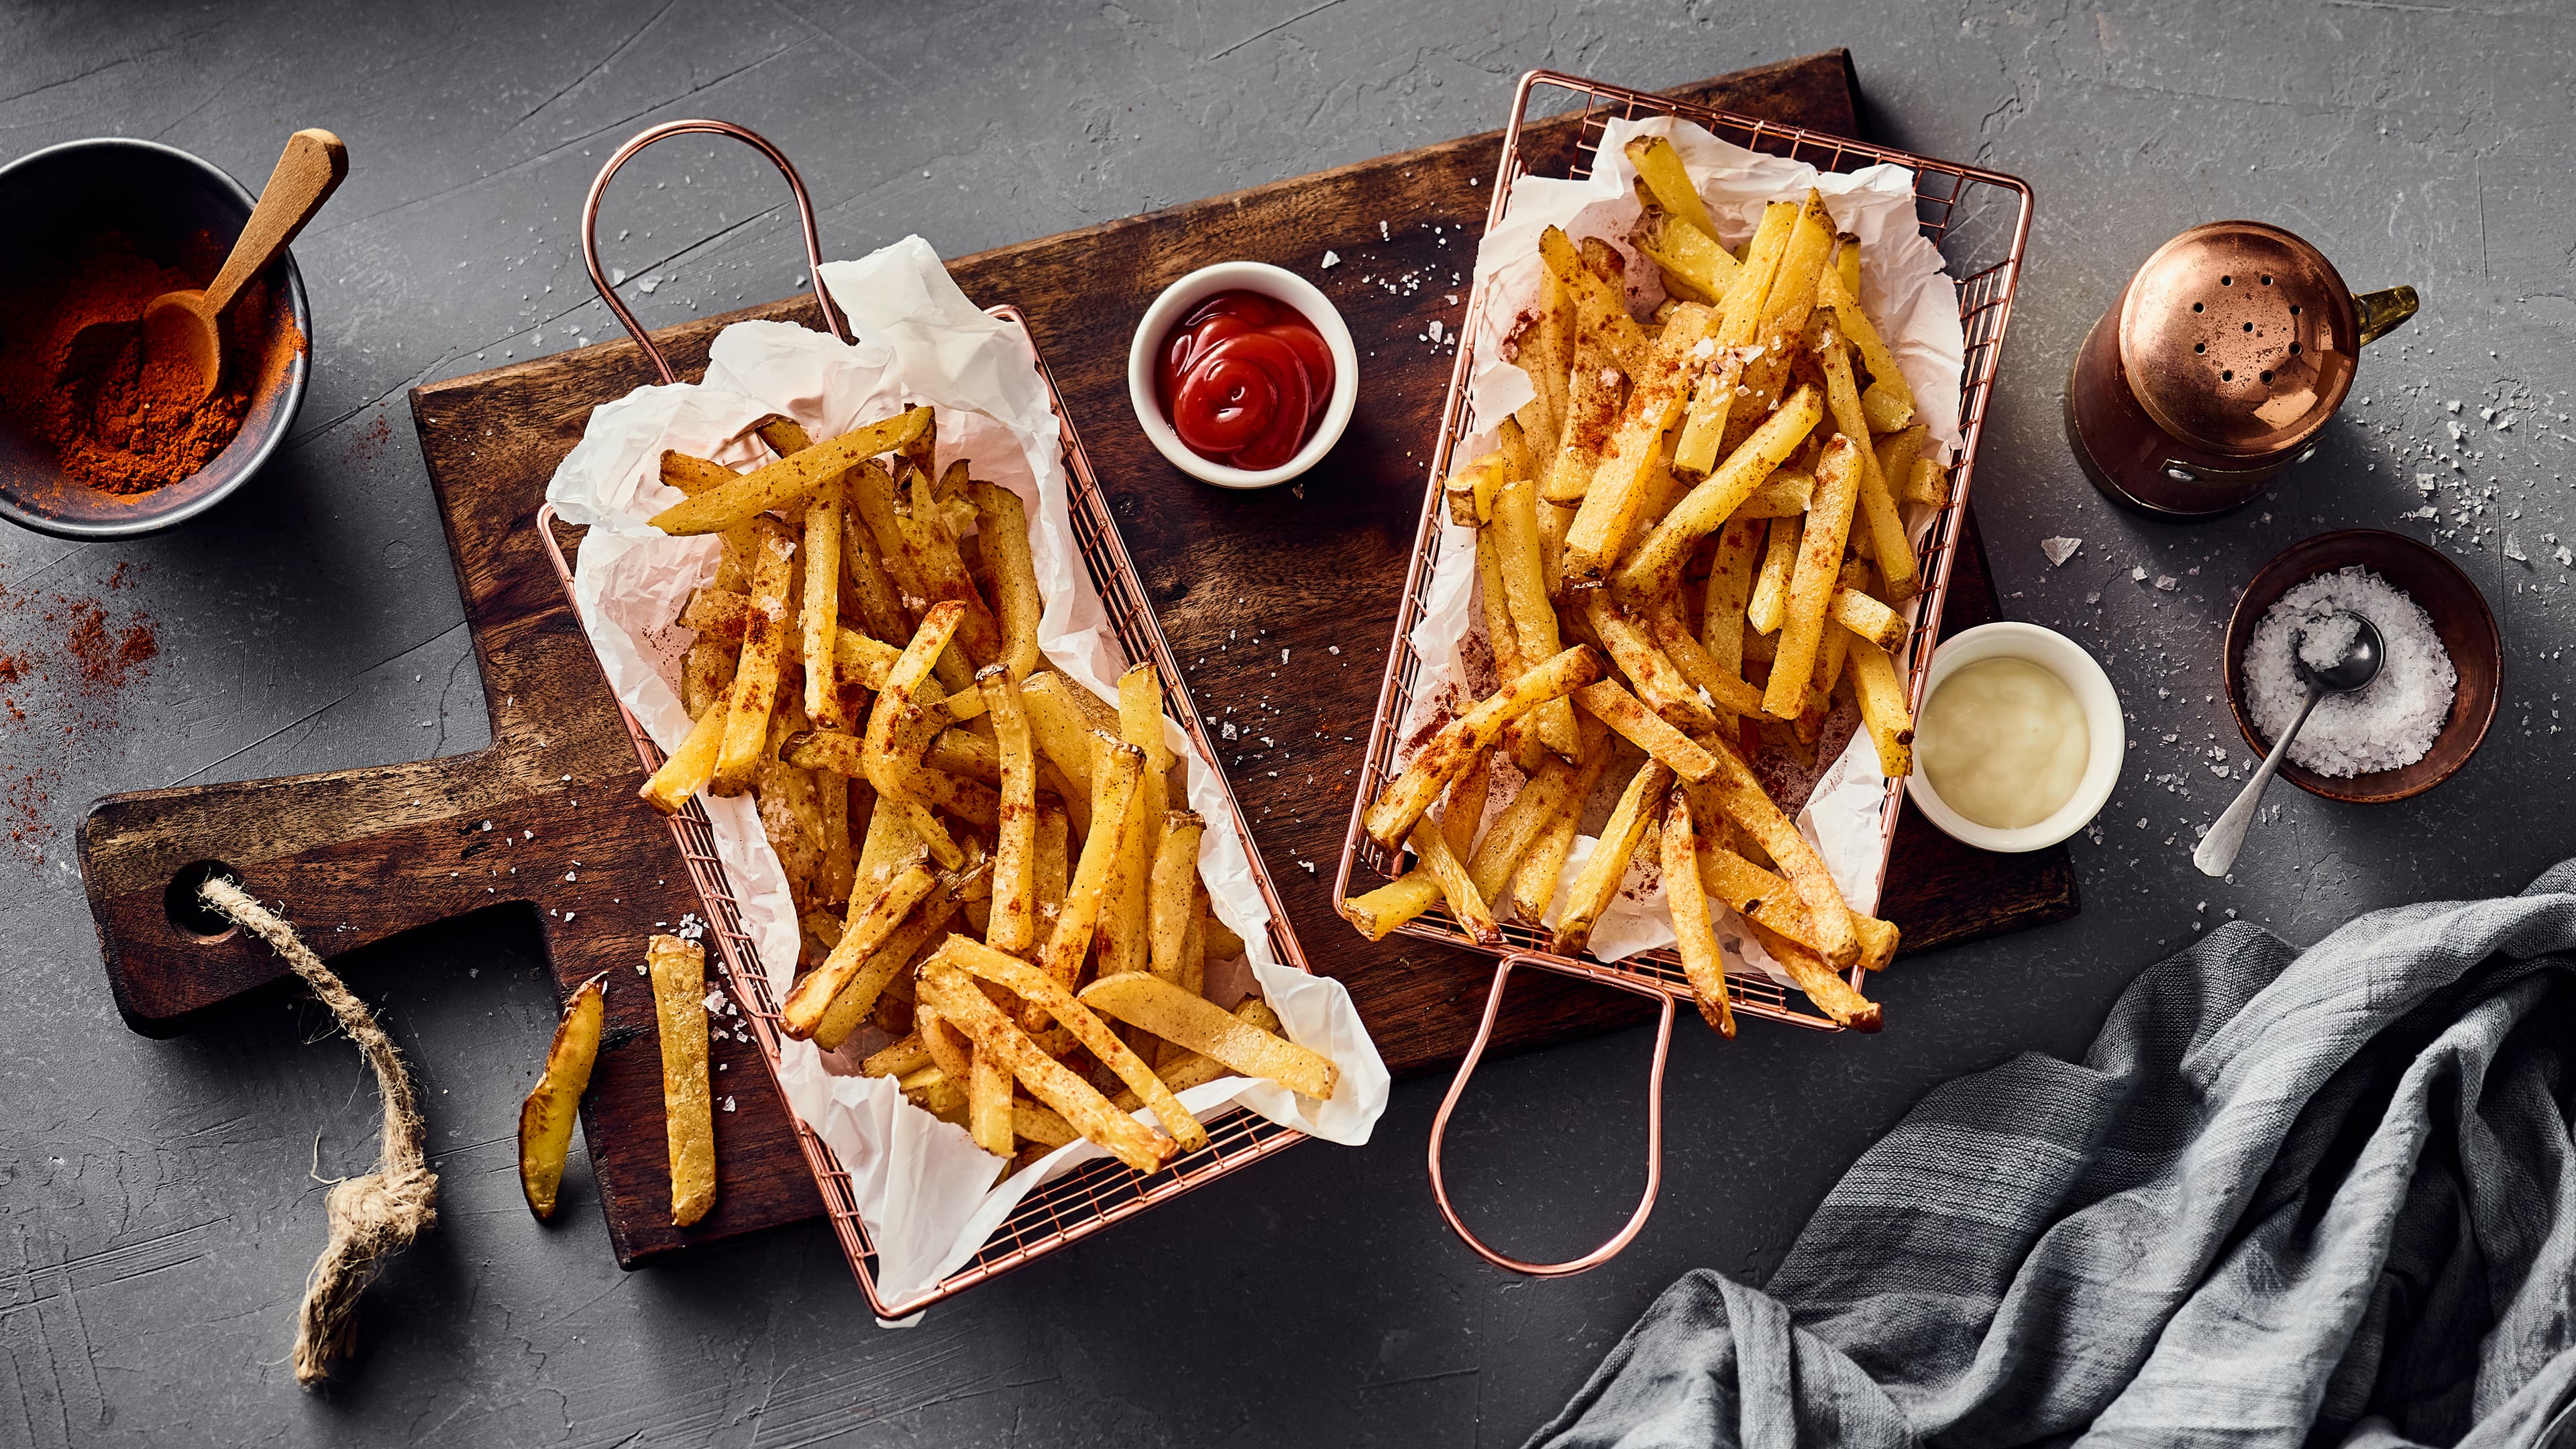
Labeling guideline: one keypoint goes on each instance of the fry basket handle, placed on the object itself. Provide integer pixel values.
(1654, 1120)
(833, 321)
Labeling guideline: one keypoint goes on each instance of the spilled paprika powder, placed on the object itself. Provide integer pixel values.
(115, 420)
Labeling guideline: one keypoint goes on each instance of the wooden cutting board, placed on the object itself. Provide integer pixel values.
(1280, 603)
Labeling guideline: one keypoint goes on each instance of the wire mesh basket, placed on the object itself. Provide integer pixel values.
(1981, 221)
(1095, 1194)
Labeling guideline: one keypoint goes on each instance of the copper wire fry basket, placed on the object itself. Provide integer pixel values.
(1981, 221)
(1094, 1194)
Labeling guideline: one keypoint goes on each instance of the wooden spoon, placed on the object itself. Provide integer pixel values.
(179, 328)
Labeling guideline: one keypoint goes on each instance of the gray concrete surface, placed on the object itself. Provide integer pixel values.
(158, 1206)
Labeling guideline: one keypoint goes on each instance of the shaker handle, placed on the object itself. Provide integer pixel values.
(2384, 311)
(833, 321)
(1654, 1120)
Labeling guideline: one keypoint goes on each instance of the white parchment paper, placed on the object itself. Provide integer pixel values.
(926, 1192)
(1905, 291)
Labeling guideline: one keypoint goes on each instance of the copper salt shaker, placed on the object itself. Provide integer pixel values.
(2218, 366)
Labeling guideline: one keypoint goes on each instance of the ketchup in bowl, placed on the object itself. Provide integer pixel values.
(1245, 380)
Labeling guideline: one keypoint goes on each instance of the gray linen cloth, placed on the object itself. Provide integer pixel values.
(2289, 1197)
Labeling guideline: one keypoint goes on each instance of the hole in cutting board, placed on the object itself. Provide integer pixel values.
(188, 911)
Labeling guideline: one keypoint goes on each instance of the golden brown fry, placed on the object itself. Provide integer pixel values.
(1730, 589)
(1695, 268)
(879, 981)
(679, 972)
(1712, 403)
(895, 711)
(1534, 879)
(1378, 912)
(1929, 483)
(1767, 900)
(1634, 446)
(1656, 564)
(1042, 990)
(546, 1118)
(1724, 686)
(1878, 517)
(820, 616)
(1173, 892)
(1002, 530)
(932, 549)
(1465, 903)
(1521, 557)
(1819, 572)
(1896, 400)
(1687, 903)
(1897, 452)
(1741, 316)
(1053, 869)
(897, 1059)
(689, 767)
(1598, 881)
(1626, 638)
(1617, 708)
(1785, 494)
(1770, 600)
(1140, 999)
(1735, 794)
(787, 481)
(1124, 932)
(1545, 350)
(1533, 811)
(1114, 793)
(1884, 710)
(957, 1000)
(875, 912)
(988, 1103)
(1868, 619)
(1013, 927)
(1458, 743)
(1044, 1125)
(1832, 995)
(1660, 171)
(764, 646)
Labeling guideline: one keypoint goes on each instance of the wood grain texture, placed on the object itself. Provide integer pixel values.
(1279, 603)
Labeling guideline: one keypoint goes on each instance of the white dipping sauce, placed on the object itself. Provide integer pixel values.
(2003, 742)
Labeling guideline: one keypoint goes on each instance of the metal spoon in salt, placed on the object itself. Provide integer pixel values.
(2358, 666)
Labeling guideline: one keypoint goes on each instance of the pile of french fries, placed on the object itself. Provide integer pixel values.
(985, 857)
(1689, 544)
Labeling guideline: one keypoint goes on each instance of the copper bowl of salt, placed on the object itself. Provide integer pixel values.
(2460, 617)
(170, 207)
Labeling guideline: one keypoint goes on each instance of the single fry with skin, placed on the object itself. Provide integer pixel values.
(1113, 797)
(1765, 899)
(1605, 701)
(690, 767)
(679, 972)
(959, 1001)
(1002, 529)
(819, 619)
(1737, 795)
(1929, 483)
(1656, 564)
(1378, 912)
(1459, 742)
(1124, 943)
(875, 912)
(1883, 709)
(1695, 268)
(1599, 879)
(1172, 892)
(1183, 1069)
(1897, 452)
(764, 648)
(1770, 599)
(1697, 666)
(1693, 935)
(1534, 879)
(790, 479)
(1868, 619)
(1545, 350)
(1663, 685)
(1040, 989)
(1592, 392)
(1897, 400)
(546, 1118)
(1828, 990)
(868, 989)
(1819, 573)
(1729, 591)
(1660, 170)
(1139, 999)
(1432, 847)
(1013, 927)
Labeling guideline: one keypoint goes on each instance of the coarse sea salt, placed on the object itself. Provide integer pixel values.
(2386, 726)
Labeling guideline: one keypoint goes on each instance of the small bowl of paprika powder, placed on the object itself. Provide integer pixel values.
(90, 449)
(1243, 375)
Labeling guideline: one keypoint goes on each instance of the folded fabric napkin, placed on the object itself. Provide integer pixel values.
(2290, 1197)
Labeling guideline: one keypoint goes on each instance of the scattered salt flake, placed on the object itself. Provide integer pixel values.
(2059, 550)
(617, 277)
(2452, 406)
(2168, 582)
(715, 1002)
(2093, 598)
(1336, 648)
(2513, 549)
(728, 1103)
(2138, 574)
(1227, 729)
(1435, 329)
(1332, 259)
(649, 285)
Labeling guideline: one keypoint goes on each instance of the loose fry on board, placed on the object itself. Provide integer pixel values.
(679, 972)
(554, 1104)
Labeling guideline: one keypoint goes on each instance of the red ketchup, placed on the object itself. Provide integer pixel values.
(1244, 380)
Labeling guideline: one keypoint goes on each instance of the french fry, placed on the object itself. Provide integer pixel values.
(1077, 1101)
(1694, 266)
(1525, 575)
(1697, 667)
(1545, 350)
(1002, 530)
(872, 588)
(1635, 444)
(1533, 810)
(1114, 793)
(895, 710)
(1896, 400)
(1464, 809)
(897, 1059)
(1687, 903)
(1185, 1069)
(877, 982)
(787, 481)
(1660, 171)
(1053, 866)
(1013, 927)
(1142, 1000)
(1634, 650)
(706, 677)
(679, 972)
(1767, 900)
(688, 769)
(1173, 892)
(1869, 620)
(875, 912)
(1124, 943)
(1704, 419)
(820, 615)
(1883, 710)
(989, 1119)
(1730, 589)
(963, 752)
(1785, 494)
(1431, 846)
(1897, 452)
(1459, 742)
(1770, 600)
(932, 550)
(1378, 912)
(764, 646)
(1605, 701)
(1784, 311)
(1043, 1125)
(1591, 402)
(1590, 273)
(1929, 483)
(1741, 315)
(1657, 562)
(546, 1118)
(1846, 266)
(1811, 588)
(1534, 879)
(1194, 955)
(1735, 794)
(1877, 507)
(1042, 990)
(1494, 599)
(1598, 881)
(1829, 991)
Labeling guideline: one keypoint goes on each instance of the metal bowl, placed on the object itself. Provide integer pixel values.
(159, 197)
(2460, 615)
